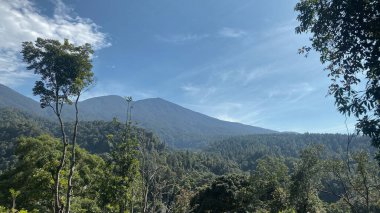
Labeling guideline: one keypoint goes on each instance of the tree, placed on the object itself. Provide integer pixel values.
(346, 33)
(269, 185)
(65, 72)
(355, 183)
(14, 195)
(226, 194)
(123, 164)
(306, 181)
(34, 171)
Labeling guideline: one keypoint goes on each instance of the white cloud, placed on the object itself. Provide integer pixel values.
(21, 21)
(231, 33)
(181, 38)
(226, 117)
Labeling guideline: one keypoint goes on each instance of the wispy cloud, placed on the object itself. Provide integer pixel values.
(201, 93)
(231, 32)
(21, 21)
(245, 76)
(263, 73)
(231, 111)
(181, 38)
(291, 93)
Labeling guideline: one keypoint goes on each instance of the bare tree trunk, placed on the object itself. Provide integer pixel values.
(146, 199)
(145, 186)
(121, 210)
(73, 159)
(133, 196)
(14, 204)
(58, 207)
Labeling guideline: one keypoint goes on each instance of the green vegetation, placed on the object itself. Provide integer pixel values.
(117, 167)
(346, 34)
(125, 168)
(247, 150)
(33, 175)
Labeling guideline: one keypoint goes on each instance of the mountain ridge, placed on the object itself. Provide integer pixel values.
(176, 125)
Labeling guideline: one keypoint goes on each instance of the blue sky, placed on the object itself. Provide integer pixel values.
(233, 60)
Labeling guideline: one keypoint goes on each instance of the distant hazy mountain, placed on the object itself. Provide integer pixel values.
(176, 125)
(11, 98)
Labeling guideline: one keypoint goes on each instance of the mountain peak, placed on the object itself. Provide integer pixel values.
(176, 125)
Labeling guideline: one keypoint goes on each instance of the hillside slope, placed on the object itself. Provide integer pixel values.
(11, 98)
(176, 125)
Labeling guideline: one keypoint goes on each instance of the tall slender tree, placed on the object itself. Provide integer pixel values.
(65, 71)
(123, 163)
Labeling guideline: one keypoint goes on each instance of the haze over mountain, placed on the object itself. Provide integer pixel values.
(176, 125)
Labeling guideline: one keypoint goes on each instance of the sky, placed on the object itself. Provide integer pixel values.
(233, 60)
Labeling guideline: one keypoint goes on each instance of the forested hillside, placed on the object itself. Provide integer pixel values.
(245, 173)
(246, 150)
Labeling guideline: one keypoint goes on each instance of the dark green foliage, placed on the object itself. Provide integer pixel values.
(306, 181)
(273, 161)
(269, 184)
(15, 124)
(346, 34)
(123, 164)
(92, 135)
(354, 181)
(246, 150)
(226, 194)
(34, 171)
(65, 70)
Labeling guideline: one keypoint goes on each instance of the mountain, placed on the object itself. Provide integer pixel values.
(11, 98)
(176, 125)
